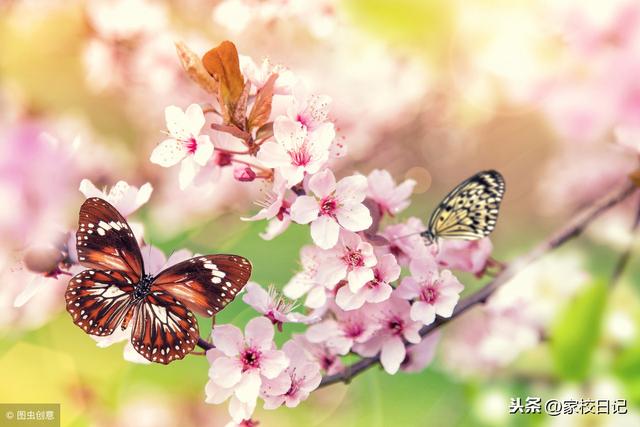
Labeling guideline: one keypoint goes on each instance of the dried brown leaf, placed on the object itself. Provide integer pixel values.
(223, 64)
(194, 68)
(262, 106)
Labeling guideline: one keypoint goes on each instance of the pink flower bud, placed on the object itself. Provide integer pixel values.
(244, 174)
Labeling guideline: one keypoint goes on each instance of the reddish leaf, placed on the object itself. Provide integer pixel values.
(635, 177)
(223, 64)
(265, 131)
(238, 117)
(262, 106)
(233, 130)
(195, 70)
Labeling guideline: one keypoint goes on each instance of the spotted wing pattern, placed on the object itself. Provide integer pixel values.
(105, 241)
(470, 211)
(164, 329)
(98, 300)
(205, 284)
(115, 291)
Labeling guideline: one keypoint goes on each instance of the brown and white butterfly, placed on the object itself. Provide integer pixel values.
(115, 291)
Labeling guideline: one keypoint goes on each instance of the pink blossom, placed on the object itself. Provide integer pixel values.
(352, 258)
(394, 327)
(322, 354)
(311, 111)
(273, 306)
(434, 292)
(276, 208)
(258, 75)
(302, 373)
(335, 206)
(45, 264)
(295, 152)
(420, 355)
(341, 333)
(305, 283)
(465, 255)
(240, 365)
(405, 242)
(124, 197)
(376, 290)
(390, 198)
(185, 144)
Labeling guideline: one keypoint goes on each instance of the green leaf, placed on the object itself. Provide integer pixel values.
(576, 331)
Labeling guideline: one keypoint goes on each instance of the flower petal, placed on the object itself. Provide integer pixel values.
(355, 217)
(204, 150)
(248, 388)
(304, 209)
(228, 339)
(259, 333)
(273, 154)
(195, 120)
(423, 312)
(323, 183)
(188, 170)
(352, 188)
(225, 371)
(325, 231)
(168, 153)
(272, 363)
(392, 355)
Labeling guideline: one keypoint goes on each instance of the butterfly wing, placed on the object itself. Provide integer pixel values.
(205, 284)
(98, 300)
(470, 211)
(105, 241)
(163, 329)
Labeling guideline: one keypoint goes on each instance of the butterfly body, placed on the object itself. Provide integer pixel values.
(469, 211)
(116, 291)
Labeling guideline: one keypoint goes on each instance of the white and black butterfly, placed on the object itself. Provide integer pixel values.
(469, 211)
(116, 291)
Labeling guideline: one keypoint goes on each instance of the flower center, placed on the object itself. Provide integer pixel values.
(303, 120)
(250, 359)
(353, 259)
(377, 279)
(328, 206)
(300, 156)
(429, 294)
(284, 210)
(353, 330)
(295, 386)
(395, 325)
(327, 361)
(191, 145)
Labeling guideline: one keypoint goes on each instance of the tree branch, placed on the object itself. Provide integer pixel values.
(573, 228)
(625, 256)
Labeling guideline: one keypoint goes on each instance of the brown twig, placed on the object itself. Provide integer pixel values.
(625, 256)
(572, 229)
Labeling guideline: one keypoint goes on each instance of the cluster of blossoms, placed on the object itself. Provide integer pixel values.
(262, 126)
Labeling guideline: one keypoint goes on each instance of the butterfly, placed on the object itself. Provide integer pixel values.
(469, 211)
(115, 291)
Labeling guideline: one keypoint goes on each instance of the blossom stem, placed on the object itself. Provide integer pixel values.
(572, 229)
(204, 344)
(625, 256)
(224, 150)
(265, 171)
